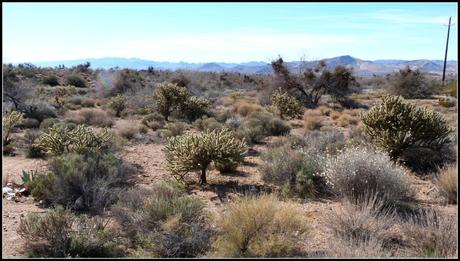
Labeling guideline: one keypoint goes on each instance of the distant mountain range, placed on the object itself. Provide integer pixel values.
(360, 67)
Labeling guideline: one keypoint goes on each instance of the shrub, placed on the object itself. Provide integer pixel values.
(38, 110)
(39, 184)
(362, 222)
(358, 172)
(88, 102)
(195, 107)
(47, 123)
(432, 234)
(287, 106)
(398, 127)
(76, 80)
(30, 123)
(410, 84)
(346, 119)
(164, 221)
(207, 124)
(9, 121)
(90, 116)
(245, 108)
(261, 124)
(32, 151)
(169, 97)
(312, 122)
(260, 227)
(447, 183)
(118, 104)
(58, 140)
(292, 170)
(59, 233)
(173, 129)
(447, 102)
(278, 127)
(128, 129)
(127, 80)
(154, 121)
(88, 182)
(196, 152)
(50, 80)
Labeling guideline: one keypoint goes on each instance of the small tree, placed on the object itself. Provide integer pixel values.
(397, 126)
(287, 105)
(169, 97)
(118, 104)
(196, 152)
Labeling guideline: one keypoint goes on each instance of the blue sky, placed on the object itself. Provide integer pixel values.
(231, 32)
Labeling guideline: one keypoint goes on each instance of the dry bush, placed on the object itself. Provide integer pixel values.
(59, 233)
(128, 129)
(258, 125)
(207, 124)
(154, 121)
(244, 108)
(172, 129)
(335, 115)
(88, 102)
(260, 227)
(324, 110)
(164, 221)
(360, 171)
(311, 121)
(94, 117)
(447, 183)
(346, 120)
(367, 248)
(432, 234)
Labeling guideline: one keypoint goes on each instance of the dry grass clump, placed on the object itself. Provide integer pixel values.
(447, 183)
(346, 119)
(312, 122)
(260, 227)
(90, 116)
(324, 110)
(128, 129)
(244, 108)
(432, 234)
(335, 115)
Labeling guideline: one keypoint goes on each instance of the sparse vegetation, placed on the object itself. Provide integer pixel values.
(287, 106)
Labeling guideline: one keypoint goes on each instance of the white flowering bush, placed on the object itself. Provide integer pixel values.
(359, 172)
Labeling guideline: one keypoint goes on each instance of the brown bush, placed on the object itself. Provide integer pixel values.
(245, 108)
(447, 183)
(128, 129)
(90, 116)
(311, 120)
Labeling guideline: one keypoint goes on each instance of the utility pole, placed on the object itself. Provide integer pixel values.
(445, 56)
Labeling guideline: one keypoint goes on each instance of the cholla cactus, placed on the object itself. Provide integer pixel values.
(169, 97)
(195, 107)
(287, 106)
(196, 152)
(395, 126)
(58, 140)
(9, 120)
(118, 104)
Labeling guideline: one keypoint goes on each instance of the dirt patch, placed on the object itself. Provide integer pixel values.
(13, 167)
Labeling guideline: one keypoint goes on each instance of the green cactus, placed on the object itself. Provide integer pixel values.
(287, 105)
(196, 152)
(118, 104)
(195, 107)
(395, 126)
(58, 140)
(169, 97)
(9, 120)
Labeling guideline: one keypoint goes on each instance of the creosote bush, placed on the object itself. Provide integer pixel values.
(192, 152)
(163, 221)
(59, 233)
(402, 129)
(410, 84)
(87, 182)
(260, 227)
(287, 106)
(360, 171)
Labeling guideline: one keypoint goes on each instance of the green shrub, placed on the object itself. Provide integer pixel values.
(169, 97)
(87, 183)
(196, 152)
(292, 170)
(399, 127)
(154, 121)
(207, 124)
(76, 80)
(447, 102)
(173, 129)
(59, 233)
(50, 80)
(287, 106)
(164, 221)
(39, 184)
(260, 227)
(47, 123)
(262, 124)
(118, 104)
(58, 140)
